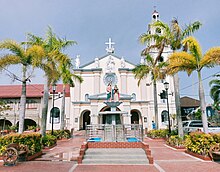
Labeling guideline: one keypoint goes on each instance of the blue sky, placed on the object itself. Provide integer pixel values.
(92, 22)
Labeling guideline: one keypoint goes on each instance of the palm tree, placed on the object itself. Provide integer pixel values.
(170, 36)
(67, 78)
(51, 64)
(215, 93)
(26, 57)
(155, 70)
(193, 60)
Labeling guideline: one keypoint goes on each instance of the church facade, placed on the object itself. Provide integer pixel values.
(88, 98)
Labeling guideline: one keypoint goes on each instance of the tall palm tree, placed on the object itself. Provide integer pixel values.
(215, 92)
(193, 60)
(67, 78)
(169, 36)
(50, 63)
(26, 57)
(155, 70)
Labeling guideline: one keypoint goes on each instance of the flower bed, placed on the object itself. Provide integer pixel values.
(198, 144)
(161, 134)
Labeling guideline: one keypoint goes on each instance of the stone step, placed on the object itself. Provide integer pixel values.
(118, 156)
(115, 156)
(125, 151)
(115, 161)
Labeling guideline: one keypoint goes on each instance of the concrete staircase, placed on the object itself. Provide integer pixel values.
(115, 156)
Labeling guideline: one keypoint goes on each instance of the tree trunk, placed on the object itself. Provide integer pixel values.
(155, 104)
(22, 101)
(63, 108)
(177, 103)
(202, 104)
(45, 108)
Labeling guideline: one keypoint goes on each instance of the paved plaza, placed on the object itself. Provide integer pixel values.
(62, 158)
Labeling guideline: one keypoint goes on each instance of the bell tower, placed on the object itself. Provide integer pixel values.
(155, 16)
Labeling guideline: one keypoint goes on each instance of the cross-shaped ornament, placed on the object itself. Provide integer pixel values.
(110, 48)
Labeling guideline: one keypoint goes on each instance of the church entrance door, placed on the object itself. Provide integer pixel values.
(86, 119)
(111, 119)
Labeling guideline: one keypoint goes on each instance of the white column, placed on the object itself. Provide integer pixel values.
(76, 118)
(94, 113)
(127, 117)
(97, 82)
(123, 75)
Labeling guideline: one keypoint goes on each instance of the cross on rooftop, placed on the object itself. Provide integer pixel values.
(110, 48)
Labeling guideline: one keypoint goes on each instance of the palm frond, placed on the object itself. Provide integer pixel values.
(191, 28)
(194, 47)
(9, 59)
(13, 46)
(211, 57)
(181, 61)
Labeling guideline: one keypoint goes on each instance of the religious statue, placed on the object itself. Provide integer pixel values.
(112, 94)
(110, 65)
(116, 94)
(96, 62)
(77, 62)
(109, 92)
(122, 62)
(142, 60)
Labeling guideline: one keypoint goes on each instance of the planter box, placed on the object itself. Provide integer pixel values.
(178, 148)
(205, 158)
(29, 158)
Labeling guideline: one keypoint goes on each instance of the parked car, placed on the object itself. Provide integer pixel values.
(196, 125)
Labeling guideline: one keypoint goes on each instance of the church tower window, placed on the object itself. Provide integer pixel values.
(86, 97)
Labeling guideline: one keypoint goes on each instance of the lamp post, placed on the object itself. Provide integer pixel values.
(166, 86)
(54, 89)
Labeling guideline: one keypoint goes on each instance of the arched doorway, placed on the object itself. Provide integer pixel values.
(136, 117)
(27, 123)
(164, 117)
(5, 124)
(110, 118)
(55, 114)
(85, 119)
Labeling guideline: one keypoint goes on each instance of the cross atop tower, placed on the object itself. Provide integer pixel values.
(110, 48)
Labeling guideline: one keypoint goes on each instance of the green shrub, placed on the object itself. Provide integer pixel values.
(32, 140)
(49, 140)
(60, 134)
(216, 137)
(161, 133)
(175, 140)
(199, 142)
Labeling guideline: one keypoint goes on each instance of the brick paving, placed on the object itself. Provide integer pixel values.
(166, 159)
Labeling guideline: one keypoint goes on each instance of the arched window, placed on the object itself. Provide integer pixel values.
(164, 116)
(86, 97)
(56, 115)
(133, 97)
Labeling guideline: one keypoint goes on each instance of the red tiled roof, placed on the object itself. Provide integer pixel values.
(33, 90)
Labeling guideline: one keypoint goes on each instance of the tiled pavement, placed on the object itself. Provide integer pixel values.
(166, 159)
